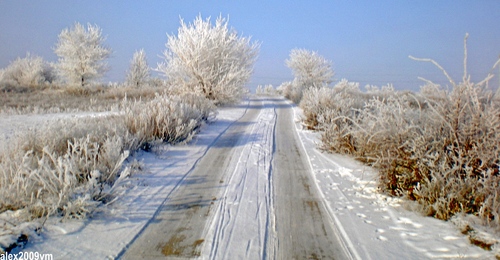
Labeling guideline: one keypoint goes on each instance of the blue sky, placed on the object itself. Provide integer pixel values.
(367, 41)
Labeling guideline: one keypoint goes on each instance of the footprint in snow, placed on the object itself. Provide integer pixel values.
(409, 221)
(364, 216)
(382, 238)
(450, 238)
(379, 209)
(361, 215)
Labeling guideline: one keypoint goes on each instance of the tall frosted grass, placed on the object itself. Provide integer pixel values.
(440, 148)
(70, 167)
(170, 119)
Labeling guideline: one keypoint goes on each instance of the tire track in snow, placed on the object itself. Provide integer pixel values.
(242, 221)
(178, 227)
(303, 227)
(340, 232)
(250, 197)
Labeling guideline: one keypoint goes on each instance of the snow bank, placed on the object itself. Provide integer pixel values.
(374, 225)
(114, 227)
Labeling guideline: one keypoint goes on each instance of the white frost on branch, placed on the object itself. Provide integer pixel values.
(138, 74)
(31, 71)
(309, 68)
(209, 59)
(81, 54)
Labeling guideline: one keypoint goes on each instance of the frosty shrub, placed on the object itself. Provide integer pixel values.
(167, 118)
(65, 168)
(314, 103)
(30, 72)
(341, 100)
(259, 90)
(209, 59)
(266, 90)
(138, 74)
(81, 54)
(285, 89)
(206, 108)
(310, 70)
(71, 166)
(459, 170)
(269, 90)
(348, 116)
(292, 91)
(438, 147)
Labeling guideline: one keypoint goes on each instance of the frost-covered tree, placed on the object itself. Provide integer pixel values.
(138, 74)
(30, 71)
(81, 54)
(309, 68)
(210, 59)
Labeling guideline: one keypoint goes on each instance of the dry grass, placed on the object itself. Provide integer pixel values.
(71, 166)
(78, 161)
(171, 119)
(53, 99)
(440, 148)
(65, 168)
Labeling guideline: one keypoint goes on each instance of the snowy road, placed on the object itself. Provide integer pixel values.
(180, 227)
(253, 185)
(302, 226)
(250, 197)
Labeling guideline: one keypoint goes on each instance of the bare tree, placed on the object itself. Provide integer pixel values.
(211, 59)
(309, 68)
(81, 54)
(138, 74)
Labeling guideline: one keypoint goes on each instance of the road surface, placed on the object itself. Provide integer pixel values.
(250, 197)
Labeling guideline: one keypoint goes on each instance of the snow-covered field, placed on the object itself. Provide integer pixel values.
(373, 226)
